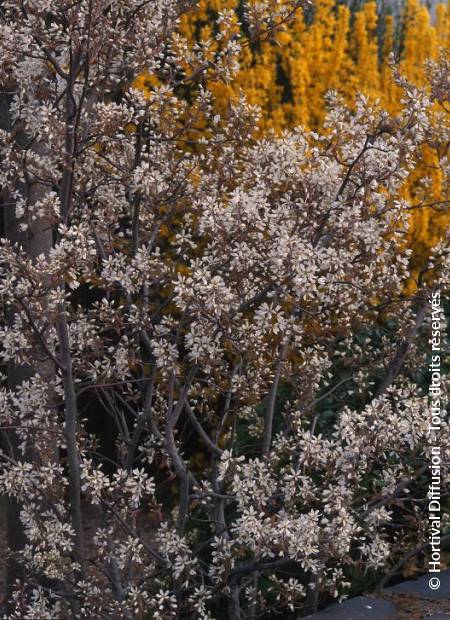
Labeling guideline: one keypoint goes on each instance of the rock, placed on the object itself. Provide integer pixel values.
(367, 608)
(359, 608)
(421, 586)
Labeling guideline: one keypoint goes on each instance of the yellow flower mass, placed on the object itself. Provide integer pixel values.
(326, 48)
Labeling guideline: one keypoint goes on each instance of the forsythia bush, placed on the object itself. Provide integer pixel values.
(327, 48)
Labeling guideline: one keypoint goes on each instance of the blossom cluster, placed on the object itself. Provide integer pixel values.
(181, 297)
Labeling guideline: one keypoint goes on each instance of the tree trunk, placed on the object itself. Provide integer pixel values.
(34, 241)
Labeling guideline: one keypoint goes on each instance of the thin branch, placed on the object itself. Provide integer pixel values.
(397, 361)
(402, 561)
(38, 333)
(201, 431)
(270, 409)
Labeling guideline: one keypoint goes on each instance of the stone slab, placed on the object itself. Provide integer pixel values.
(358, 608)
(421, 586)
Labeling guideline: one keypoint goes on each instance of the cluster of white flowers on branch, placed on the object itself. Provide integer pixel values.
(208, 290)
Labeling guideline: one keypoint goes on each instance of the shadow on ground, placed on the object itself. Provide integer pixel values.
(410, 600)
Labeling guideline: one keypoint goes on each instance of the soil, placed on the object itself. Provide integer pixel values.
(414, 606)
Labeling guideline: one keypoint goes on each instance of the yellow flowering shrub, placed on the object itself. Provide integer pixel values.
(327, 47)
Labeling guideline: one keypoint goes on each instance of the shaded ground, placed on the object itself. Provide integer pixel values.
(415, 599)
(416, 607)
(409, 600)
(413, 606)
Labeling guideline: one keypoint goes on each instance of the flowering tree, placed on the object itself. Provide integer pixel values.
(206, 288)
